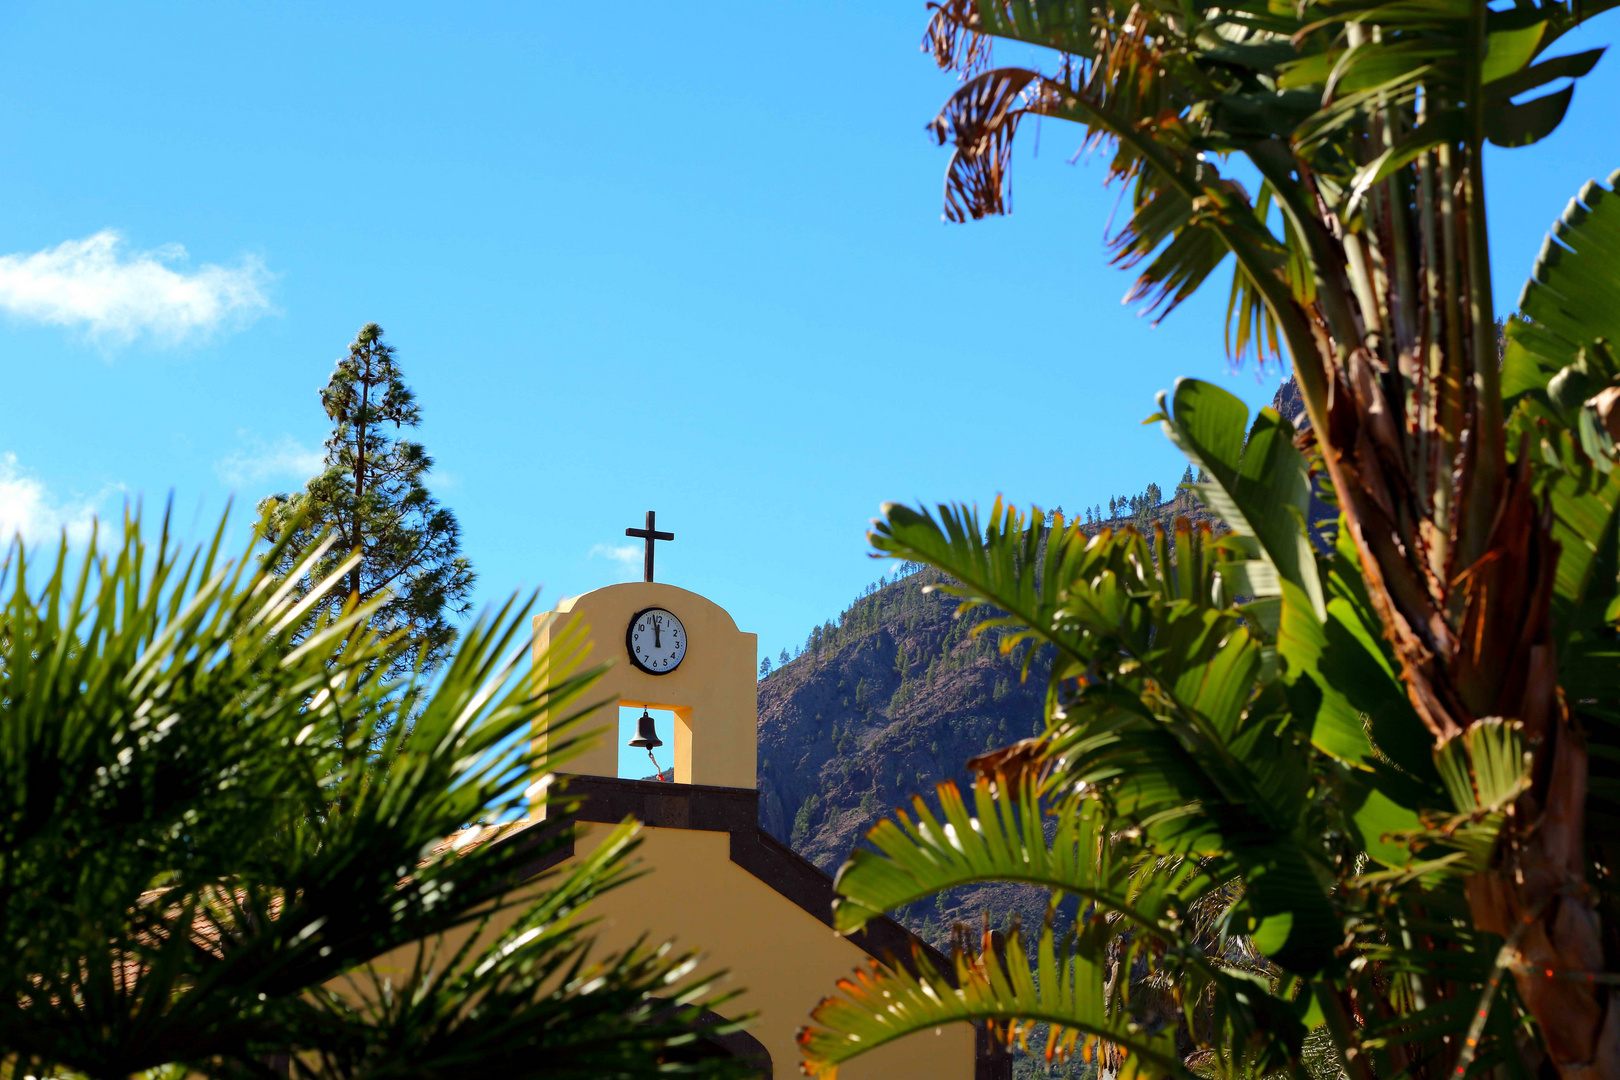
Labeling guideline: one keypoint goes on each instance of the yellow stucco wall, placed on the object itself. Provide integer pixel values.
(712, 692)
(785, 958)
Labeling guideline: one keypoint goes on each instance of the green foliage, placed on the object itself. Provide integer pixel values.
(209, 815)
(372, 497)
(1210, 788)
(1558, 364)
(1139, 507)
(801, 820)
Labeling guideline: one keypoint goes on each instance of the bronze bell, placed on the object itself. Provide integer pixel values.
(646, 733)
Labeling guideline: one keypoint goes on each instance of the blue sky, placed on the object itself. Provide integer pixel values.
(632, 256)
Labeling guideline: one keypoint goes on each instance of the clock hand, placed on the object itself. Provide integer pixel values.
(657, 626)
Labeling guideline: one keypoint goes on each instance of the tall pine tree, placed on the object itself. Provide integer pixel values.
(372, 500)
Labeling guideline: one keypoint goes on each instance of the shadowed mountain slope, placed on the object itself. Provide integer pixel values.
(890, 700)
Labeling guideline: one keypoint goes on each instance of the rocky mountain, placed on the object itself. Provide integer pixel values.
(891, 699)
(888, 701)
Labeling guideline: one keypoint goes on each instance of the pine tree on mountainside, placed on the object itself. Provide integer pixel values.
(372, 500)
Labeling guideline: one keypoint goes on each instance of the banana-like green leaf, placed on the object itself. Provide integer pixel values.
(1572, 66)
(1259, 485)
(1343, 678)
(1586, 525)
(1511, 125)
(1384, 811)
(1337, 725)
(1570, 295)
(1509, 49)
(1553, 364)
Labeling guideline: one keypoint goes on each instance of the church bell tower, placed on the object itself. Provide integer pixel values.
(710, 687)
(669, 649)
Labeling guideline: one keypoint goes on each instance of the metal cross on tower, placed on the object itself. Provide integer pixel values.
(651, 535)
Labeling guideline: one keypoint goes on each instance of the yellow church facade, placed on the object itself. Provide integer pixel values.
(718, 882)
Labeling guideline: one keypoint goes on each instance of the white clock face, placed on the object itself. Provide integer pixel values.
(657, 641)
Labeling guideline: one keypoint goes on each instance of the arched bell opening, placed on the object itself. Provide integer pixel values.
(655, 741)
(646, 750)
(712, 690)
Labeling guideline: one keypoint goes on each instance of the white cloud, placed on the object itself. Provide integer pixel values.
(628, 556)
(27, 508)
(113, 295)
(260, 460)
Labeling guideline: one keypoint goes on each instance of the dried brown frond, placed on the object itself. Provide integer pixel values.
(981, 119)
(1014, 766)
(954, 37)
(1508, 609)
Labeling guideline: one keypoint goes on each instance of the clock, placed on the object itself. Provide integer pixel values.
(656, 641)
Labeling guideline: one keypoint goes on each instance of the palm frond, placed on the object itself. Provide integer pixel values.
(1005, 841)
(213, 806)
(1063, 987)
